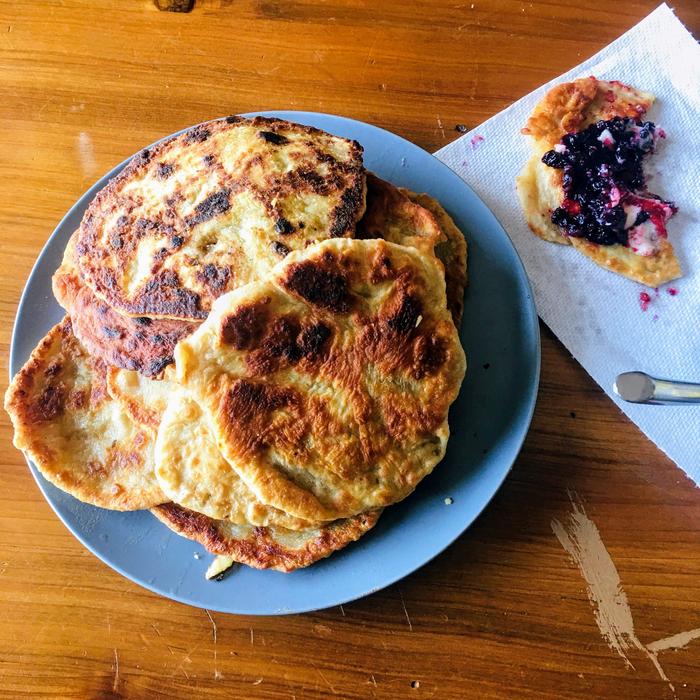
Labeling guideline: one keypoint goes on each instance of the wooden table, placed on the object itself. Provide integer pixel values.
(505, 611)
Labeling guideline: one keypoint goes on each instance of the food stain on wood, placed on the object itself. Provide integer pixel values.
(581, 539)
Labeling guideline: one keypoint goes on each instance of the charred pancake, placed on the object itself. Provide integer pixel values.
(265, 547)
(328, 386)
(193, 473)
(404, 217)
(215, 208)
(570, 108)
(78, 437)
(142, 344)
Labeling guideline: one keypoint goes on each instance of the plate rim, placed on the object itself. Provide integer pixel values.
(532, 321)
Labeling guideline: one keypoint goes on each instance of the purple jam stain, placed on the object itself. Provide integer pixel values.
(644, 300)
(672, 291)
(605, 197)
(475, 141)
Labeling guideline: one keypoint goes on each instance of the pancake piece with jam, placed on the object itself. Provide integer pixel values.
(585, 184)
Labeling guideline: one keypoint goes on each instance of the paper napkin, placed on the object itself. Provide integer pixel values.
(595, 313)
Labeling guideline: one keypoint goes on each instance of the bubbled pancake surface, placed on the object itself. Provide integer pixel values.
(133, 343)
(571, 107)
(419, 220)
(214, 208)
(193, 473)
(328, 385)
(78, 437)
(265, 547)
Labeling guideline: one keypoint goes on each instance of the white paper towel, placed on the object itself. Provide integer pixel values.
(595, 313)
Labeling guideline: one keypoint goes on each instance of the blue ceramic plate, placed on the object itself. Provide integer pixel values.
(489, 420)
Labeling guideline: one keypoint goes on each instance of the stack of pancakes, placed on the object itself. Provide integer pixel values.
(260, 343)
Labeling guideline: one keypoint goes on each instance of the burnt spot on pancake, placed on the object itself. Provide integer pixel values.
(111, 332)
(145, 227)
(272, 137)
(313, 340)
(164, 292)
(406, 317)
(158, 257)
(176, 241)
(429, 354)
(212, 206)
(143, 321)
(49, 404)
(52, 369)
(282, 339)
(343, 217)
(286, 343)
(115, 240)
(245, 328)
(245, 401)
(283, 226)
(208, 160)
(279, 249)
(78, 399)
(214, 277)
(381, 269)
(142, 158)
(157, 366)
(233, 119)
(319, 286)
(164, 170)
(198, 134)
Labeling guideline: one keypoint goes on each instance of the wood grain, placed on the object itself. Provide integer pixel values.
(502, 613)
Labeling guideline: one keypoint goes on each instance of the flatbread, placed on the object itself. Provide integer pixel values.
(261, 547)
(571, 107)
(400, 216)
(78, 437)
(451, 252)
(142, 344)
(214, 208)
(328, 386)
(144, 400)
(193, 473)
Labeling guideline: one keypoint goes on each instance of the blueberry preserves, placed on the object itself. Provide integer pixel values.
(605, 197)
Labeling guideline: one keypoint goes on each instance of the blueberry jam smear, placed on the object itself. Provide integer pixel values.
(604, 185)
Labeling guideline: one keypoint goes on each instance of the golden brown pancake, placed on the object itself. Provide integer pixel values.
(193, 473)
(78, 437)
(571, 107)
(265, 547)
(214, 208)
(328, 385)
(407, 218)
